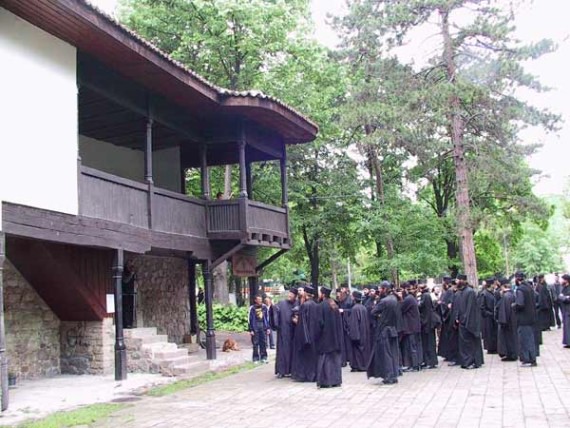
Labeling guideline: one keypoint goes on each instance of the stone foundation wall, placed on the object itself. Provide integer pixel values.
(87, 347)
(163, 295)
(32, 329)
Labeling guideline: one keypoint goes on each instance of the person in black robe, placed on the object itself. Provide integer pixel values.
(410, 342)
(345, 304)
(564, 302)
(489, 328)
(545, 305)
(507, 336)
(468, 321)
(384, 360)
(359, 328)
(283, 323)
(369, 305)
(428, 326)
(304, 364)
(525, 307)
(329, 362)
(448, 337)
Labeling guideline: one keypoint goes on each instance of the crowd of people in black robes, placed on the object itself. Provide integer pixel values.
(386, 332)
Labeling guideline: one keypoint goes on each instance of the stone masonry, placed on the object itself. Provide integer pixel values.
(87, 347)
(32, 329)
(163, 295)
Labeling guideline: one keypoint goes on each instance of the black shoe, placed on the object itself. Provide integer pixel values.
(272, 347)
(533, 364)
(389, 381)
(353, 370)
(470, 367)
(453, 364)
(431, 367)
(279, 376)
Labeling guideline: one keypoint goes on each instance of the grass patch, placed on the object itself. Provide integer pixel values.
(82, 416)
(180, 385)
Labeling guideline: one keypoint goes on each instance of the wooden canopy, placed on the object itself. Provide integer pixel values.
(207, 106)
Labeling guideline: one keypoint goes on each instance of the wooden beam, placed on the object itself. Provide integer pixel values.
(227, 255)
(210, 330)
(270, 260)
(192, 296)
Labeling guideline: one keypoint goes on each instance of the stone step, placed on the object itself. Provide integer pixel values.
(190, 368)
(167, 355)
(140, 332)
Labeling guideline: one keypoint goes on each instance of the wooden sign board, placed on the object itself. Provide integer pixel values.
(244, 266)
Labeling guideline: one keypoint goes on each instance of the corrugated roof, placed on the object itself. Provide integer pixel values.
(222, 92)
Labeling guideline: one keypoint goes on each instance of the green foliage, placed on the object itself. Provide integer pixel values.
(226, 317)
(83, 416)
(538, 251)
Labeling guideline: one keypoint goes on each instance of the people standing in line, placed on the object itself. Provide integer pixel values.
(384, 361)
(507, 335)
(555, 290)
(258, 326)
(271, 334)
(410, 336)
(304, 363)
(545, 306)
(525, 306)
(428, 325)
(283, 323)
(329, 361)
(489, 327)
(359, 331)
(564, 301)
(468, 321)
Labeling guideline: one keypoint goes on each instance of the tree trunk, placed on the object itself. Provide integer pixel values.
(379, 180)
(312, 248)
(465, 229)
(334, 276)
(220, 280)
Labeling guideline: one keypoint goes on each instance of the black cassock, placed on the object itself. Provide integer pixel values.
(329, 363)
(283, 323)
(346, 351)
(429, 353)
(304, 365)
(410, 342)
(384, 359)
(488, 324)
(359, 330)
(545, 308)
(564, 301)
(507, 337)
(448, 337)
(470, 351)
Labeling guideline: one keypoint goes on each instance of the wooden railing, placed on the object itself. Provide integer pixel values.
(117, 199)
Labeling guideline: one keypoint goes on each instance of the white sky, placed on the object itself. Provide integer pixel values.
(535, 20)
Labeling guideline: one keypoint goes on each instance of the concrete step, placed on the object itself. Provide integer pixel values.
(159, 347)
(188, 369)
(140, 332)
(166, 355)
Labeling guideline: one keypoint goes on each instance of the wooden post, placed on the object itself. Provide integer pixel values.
(3, 358)
(192, 296)
(283, 165)
(249, 180)
(210, 330)
(120, 348)
(204, 174)
(253, 288)
(242, 172)
(148, 169)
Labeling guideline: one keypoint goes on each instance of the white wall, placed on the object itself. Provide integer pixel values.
(113, 159)
(129, 163)
(166, 168)
(38, 116)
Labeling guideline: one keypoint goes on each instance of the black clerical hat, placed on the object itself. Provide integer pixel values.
(386, 284)
(412, 282)
(520, 275)
(293, 290)
(504, 281)
(566, 277)
(446, 279)
(309, 289)
(357, 295)
(326, 291)
(462, 277)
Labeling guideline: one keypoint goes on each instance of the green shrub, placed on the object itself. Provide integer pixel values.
(226, 318)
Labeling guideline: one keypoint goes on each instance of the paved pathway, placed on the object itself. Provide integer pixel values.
(497, 395)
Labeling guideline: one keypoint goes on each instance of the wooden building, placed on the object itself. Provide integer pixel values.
(98, 130)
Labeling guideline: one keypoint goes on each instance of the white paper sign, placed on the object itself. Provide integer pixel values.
(110, 303)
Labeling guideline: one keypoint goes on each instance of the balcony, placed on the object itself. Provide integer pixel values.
(120, 200)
